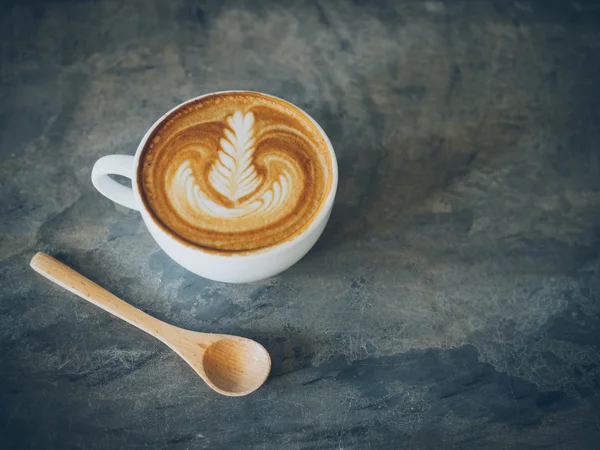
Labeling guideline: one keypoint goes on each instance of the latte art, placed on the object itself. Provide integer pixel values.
(235, 172)
(235, 177)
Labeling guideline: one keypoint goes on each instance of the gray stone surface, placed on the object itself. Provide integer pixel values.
(453, 301)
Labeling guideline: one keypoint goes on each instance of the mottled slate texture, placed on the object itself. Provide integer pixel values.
(453, 302)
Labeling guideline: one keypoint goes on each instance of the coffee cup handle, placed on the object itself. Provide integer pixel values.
(115, 165)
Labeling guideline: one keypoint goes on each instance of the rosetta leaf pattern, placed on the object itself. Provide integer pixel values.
(233, 174)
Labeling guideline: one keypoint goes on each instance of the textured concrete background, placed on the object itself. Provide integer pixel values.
(453, 301)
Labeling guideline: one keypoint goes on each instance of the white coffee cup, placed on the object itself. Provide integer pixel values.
(233, 268)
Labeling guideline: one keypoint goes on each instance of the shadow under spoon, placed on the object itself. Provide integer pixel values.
(231, 365)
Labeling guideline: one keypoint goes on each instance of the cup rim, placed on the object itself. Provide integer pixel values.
(321, 215)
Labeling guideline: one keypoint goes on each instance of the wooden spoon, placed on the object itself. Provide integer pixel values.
(231, 365)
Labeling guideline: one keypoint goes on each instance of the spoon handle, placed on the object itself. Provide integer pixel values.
(88, 290)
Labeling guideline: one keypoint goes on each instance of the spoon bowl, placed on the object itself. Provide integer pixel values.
(231, 365)
(236, 366)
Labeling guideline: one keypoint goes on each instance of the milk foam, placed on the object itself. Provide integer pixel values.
(234, 176)
(238, 177)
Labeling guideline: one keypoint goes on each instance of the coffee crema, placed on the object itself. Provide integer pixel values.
(235, 172)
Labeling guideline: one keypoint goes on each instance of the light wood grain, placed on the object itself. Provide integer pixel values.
(231, 365)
